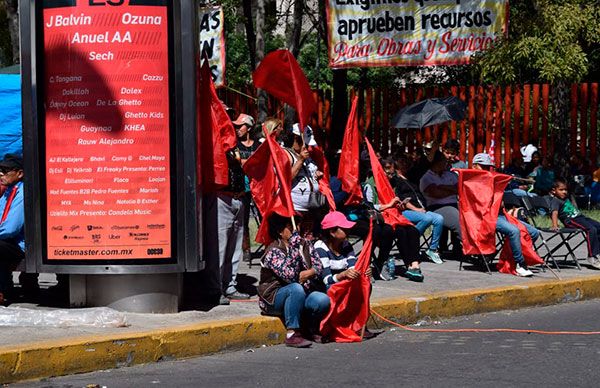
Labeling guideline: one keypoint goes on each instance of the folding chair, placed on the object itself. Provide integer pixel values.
(563, 236)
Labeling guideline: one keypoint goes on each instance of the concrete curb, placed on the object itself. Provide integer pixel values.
(78, 355)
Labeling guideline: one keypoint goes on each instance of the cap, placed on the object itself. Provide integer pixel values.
(483, 159)
(244, 119)
(11, 162)
(309, 137)
(336, 219)
(527, 151)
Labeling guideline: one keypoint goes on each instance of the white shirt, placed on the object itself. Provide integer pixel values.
(431, 178)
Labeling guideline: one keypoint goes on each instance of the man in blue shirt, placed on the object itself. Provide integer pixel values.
(12, 216)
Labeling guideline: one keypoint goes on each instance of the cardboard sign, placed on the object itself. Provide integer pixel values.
(368, 33)
(107, 135)
(212, 41)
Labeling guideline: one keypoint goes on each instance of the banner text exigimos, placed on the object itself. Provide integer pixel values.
(369, 33)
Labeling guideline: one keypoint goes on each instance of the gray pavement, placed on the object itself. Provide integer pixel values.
(438, 278)
(396, 358)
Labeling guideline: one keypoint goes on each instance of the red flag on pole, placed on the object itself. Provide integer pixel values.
(479, 198)
(507, 264)
(280, 75)
(270, 173)
(348, 171)
(349, 309)
(316, 154)
(385, 192)
(216, 134)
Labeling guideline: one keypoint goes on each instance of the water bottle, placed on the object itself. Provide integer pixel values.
(391, 264)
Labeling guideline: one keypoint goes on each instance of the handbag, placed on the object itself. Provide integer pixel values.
(316, 199)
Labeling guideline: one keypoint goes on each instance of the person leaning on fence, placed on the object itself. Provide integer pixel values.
(483, 161)
(289, 283)
(564, 210)
(12, 239)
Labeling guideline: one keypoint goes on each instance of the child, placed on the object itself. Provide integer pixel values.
(562, 208)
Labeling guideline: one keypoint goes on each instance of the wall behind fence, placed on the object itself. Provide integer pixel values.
(510, 116)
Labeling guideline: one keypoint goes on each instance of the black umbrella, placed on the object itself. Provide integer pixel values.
(430, 112)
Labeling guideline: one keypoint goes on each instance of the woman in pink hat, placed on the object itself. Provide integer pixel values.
(336, 253)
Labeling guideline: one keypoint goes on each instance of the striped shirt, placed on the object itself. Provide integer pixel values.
(332, 263)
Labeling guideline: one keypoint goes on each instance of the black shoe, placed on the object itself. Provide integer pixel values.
(238, 295)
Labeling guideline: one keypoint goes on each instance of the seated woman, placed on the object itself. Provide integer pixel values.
(440, 188)
(415, 205)
(406, 236)
(336, 253)
(334, 250)
(289, 276)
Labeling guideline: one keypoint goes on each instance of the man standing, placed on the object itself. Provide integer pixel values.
(246, 144)
(12, 239)
(225, 232)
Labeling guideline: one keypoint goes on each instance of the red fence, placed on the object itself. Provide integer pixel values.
(511, 116)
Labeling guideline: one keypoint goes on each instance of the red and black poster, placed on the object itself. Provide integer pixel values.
(107, 129)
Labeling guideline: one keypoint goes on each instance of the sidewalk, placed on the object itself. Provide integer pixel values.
(36, 352)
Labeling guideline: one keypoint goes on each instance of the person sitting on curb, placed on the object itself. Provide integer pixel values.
(288, 284)
(12, 238)
(483, 161)
(562, 208)
(336, 253)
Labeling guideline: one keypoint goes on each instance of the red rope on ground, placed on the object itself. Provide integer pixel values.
(525, 331)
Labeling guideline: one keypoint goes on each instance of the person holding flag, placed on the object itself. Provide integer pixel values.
(483, 161)
(289, 283)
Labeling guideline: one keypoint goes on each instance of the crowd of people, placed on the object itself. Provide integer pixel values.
(309, 255)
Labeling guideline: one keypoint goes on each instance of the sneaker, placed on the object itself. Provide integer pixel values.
(594, 261)
(238, 295)
(296, 341)
(391, 266)
(523, 272)
(383, 272)
(415, 274)
(224, 301)
(434, 256)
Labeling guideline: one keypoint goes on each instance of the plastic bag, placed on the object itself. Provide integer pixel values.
(96, 317)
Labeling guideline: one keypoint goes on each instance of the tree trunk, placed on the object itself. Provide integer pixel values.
(294, 38)
(560, 119)
(12, 13)
(260, 54)
(250, 35)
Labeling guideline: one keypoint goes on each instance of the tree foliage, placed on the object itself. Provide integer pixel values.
(548, 41)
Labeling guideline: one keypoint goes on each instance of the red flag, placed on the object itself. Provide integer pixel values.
(348, 171)
(216, 134)
(280, 75)
(479, 198)
(271, 176)
(386, 194)
(316, 154)
(349, 309)
(507, 264)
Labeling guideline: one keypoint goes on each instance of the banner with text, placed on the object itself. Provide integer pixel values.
(107, 130)
(212, 41)
(371, 33)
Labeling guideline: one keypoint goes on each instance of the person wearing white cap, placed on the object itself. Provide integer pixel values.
(483, 161)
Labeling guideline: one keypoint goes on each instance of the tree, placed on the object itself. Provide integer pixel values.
(554, 41)
(9, 32)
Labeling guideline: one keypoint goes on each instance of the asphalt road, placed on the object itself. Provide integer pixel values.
(397, 358)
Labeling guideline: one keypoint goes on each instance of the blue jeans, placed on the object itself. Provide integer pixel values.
(513, 234)
(293, 301)
(422, 221)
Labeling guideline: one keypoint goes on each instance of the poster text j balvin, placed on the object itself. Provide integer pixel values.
(444, 45)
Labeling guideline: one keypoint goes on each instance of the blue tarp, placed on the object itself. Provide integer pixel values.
(11, 132)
